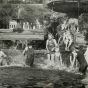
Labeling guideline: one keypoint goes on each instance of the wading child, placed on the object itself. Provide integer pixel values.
(29, 52)
(73, 57)
(2, 57)
(86, 54)
(58, 59)
(81, 59)
(50, 46)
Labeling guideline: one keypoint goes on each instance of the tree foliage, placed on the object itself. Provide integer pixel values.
(7, 11)
(53, 23)
(32, 12)
(28, 12)
(83, 25)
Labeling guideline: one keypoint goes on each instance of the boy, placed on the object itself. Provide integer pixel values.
(29, 51)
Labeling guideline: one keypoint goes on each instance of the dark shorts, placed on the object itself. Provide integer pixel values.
(50, 50)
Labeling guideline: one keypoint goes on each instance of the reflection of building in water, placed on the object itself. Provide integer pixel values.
(12, 24)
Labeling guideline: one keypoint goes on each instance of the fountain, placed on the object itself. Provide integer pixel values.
(38, 25)
(26, 26)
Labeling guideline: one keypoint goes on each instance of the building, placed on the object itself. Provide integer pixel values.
(12, 24)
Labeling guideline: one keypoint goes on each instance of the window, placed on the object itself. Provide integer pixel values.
(14, 26)
(10, 26)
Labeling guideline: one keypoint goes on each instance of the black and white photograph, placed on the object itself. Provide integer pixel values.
(43, 43)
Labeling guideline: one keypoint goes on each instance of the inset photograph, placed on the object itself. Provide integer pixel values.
(21, 19)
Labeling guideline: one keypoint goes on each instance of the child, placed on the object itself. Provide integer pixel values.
(86, 54)
(58, 59)
(2, 56)
(29, 51)
(81, 59)
(73, 57)
(50, 46)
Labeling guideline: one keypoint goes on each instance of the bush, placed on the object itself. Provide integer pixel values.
(19, 30)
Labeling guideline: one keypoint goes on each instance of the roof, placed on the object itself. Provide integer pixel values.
(12, 21)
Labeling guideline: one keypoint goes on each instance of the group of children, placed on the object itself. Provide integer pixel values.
(52, 52)
(54, 56)
(77, 56)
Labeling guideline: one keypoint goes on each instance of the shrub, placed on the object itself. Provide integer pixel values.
(19, 30)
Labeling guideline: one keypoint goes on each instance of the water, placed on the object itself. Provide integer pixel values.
(47, 64)
(17, 59)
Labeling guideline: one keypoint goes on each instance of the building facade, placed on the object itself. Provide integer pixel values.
(12, 24)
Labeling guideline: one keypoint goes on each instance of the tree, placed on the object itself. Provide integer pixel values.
(32, 12)
(53, 23)
(7, 12)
